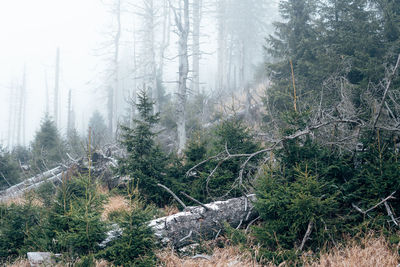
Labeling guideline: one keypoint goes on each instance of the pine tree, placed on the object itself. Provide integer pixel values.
(9, 169)
(100, 134)
(146, 163)
(237, 138)
(47, 147)
(75, 143)
(294, 45)
(135, 247)
(75, 217)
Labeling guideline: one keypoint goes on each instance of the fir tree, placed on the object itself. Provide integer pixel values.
(135, 247)
(294, 45)
(75, 217)
(47, 147)
(99, 134)
(9, 169)
(146, 163)
(75, 143)
(237, 138)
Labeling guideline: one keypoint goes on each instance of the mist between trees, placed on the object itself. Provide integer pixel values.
(301, 113)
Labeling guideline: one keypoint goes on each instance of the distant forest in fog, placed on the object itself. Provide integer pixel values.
(137, 45)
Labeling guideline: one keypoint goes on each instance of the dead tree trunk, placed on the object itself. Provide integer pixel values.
(221, 44)
(56, 87)
(21, 104)
(182, 25)
(149, 17)
(198, 223)
(115, 95)
(196, 45)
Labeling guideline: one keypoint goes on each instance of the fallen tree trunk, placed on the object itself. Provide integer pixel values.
(198, 223)
(31, 183)
(100, 168)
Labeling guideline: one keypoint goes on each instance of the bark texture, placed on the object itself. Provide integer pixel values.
(198, 223)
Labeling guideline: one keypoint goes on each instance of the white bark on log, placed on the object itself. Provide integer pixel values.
(197, 223)
(101, 166)
(31, 183)
(203, 224)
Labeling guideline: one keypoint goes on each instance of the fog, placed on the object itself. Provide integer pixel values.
(84, 31)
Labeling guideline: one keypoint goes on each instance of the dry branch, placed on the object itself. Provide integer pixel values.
(375, 206)
(307, 235)
(173, 195)
(388, 83)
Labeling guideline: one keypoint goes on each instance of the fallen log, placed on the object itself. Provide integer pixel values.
(198, 223)
(31, 183)
(100, 167)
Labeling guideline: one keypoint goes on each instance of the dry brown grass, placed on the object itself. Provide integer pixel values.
(21, 200)
(115, 203)
(170, 210)
(20, 263)
(230, 256)
(25, 263)
(370, 252)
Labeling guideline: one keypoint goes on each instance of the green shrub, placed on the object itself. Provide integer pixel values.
(75, 217)
(9, 170)
(233, 135)
(21, 229)
(135, 247)
(145, 161)
(302, 189)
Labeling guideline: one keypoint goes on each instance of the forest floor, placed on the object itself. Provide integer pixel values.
(371, 251)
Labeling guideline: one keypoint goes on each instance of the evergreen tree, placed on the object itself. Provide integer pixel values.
(294, 43)
(47, 147)
(75, 143)
(21, 230)
(146, 163)
(9, 169)
(75, 217)
(237, 138)
(135, 247)
(100, 134)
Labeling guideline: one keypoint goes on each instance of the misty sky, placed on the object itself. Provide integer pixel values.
(30, 32)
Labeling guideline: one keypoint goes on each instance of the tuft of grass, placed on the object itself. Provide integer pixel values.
(21, 262)
(21, 200)
(228, 256)
(170, 210)
(115, 203)
(370, 251)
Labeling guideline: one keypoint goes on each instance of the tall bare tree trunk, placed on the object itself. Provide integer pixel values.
(47, 93)
(242, 64)
(221, 44)
(110, 107)
(10, 117)
(165, 39)
(69, 118)
(56, 86)
(183, 31)
(196, 45)
(115, 91)
(21, 100)
(150, 31)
